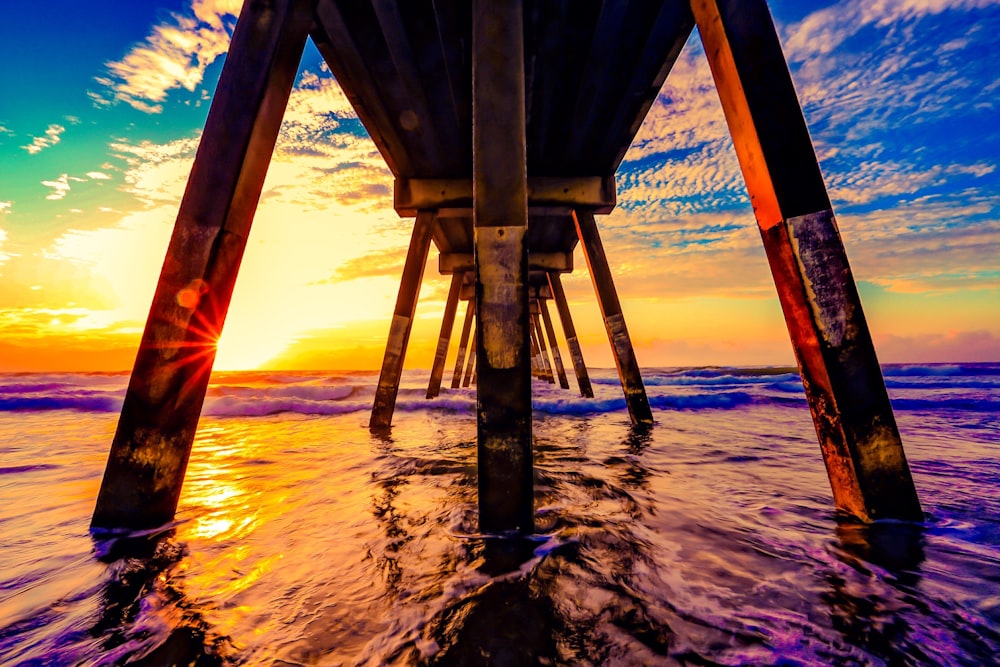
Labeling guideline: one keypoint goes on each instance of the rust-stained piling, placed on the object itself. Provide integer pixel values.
(149, 454)
(500, 211)
(614, 321)
(843, 382)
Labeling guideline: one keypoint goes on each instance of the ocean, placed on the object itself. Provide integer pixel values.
(303, 539)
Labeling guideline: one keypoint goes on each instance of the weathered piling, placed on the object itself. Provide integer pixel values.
(145, 471)
(843, 382)
(463, 344)
(444, 338)
(614, 322)
(553, 343)
(575, 352)
(402, 321)
(500, 210)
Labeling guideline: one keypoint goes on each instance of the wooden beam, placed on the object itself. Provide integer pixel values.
(402, 321)
(843, 382)
(145, 470)
(614, 321)
(450, 262)
(575, 352)
(447, 324)
(536, 359)
(471, 364)
(543, 309)
(594, 192)
(543, 349)
(463, 344)
(500, 218)
(335, 43)
(436, 142)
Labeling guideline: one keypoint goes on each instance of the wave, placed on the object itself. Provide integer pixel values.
(969, 387)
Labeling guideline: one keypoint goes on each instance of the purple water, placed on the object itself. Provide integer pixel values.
(302, 539)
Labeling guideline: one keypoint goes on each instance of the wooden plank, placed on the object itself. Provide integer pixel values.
(670, 31)
(419, 119)
(447, 324)
(335, 43)
(500, 213)
(850, 407)
(463, 344)
(402, 321)
(614, 320)
(543, 309)
(594, 192)
(575, 352)
(148, 459)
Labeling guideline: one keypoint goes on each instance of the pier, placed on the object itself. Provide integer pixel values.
(504, 123)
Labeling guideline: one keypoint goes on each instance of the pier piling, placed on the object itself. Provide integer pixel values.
(500, 210)
(843, 382)
(148, 459)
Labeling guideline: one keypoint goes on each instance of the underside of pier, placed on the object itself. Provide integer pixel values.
(504, 123)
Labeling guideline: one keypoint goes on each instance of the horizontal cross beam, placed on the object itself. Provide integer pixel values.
(587, 192)
(562, 262)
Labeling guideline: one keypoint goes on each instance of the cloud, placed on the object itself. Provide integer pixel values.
(6, 207)
(955, 346)
(51, 138)
(3, 233)
(174, 55)
(97, 176)
(60, 187)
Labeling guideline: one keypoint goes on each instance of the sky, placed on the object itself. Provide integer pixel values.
(102, 104)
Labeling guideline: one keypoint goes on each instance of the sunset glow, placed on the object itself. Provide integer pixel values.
(98, 133)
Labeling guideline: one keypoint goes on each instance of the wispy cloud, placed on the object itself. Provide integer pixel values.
(98, 176)
(6, 207)
(51, 137)
(174, 55)
(60, 187)
(3, 233)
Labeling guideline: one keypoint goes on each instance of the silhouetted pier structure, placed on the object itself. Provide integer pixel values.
(504, 122)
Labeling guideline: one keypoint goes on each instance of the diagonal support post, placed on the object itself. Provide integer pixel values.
(569, 329)
(149, 455)
(614, 321)
(543, 309)
(463, 344)
(447, 324)
(543, 349)
(850, 407)
(500, 224)
(470, 365)
(402, 321)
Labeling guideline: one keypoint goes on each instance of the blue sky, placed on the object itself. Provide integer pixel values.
(101, 105)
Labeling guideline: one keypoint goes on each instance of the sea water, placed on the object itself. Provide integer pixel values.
(303, 539)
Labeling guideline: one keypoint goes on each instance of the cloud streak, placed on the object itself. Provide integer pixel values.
(51, 137)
